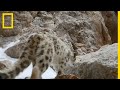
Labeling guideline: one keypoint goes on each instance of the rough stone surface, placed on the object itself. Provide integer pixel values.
(10, 32)
(101, 64)
(82, 27)
(15, 51)
(110, 19)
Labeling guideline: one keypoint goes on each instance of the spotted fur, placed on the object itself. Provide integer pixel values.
(43, 50)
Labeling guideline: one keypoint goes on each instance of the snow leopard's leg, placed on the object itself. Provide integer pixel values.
(35, 73)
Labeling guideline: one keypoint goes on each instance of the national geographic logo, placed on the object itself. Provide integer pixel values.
(11, 21)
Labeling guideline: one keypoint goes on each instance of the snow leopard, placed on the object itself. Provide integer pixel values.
(43, 50)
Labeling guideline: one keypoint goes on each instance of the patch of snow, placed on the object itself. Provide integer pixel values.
(49, 74)
(12, 44)
(3, 56)
(26, 73)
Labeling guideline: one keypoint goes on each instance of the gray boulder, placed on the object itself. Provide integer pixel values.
(101, 64)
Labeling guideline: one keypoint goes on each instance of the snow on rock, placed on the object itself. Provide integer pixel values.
(3, 56)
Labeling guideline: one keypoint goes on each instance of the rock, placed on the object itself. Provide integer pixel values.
(44, 20)
(70, 76)
(10, 32)
(5, 64)
(15, 50)
(110, 19)
(4, 41)
(24, 17)
(101, 64)
(34, 13)
(85, 27)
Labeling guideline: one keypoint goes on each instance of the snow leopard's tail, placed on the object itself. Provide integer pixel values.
(28, 55)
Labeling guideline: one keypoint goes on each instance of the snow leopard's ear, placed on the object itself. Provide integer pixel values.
(3, 76)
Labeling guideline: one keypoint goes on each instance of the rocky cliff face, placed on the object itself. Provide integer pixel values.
(101, 64)
(85, 31)
(110, 19)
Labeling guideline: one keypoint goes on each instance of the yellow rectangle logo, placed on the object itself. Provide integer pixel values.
(118, 44)
(3, 21)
